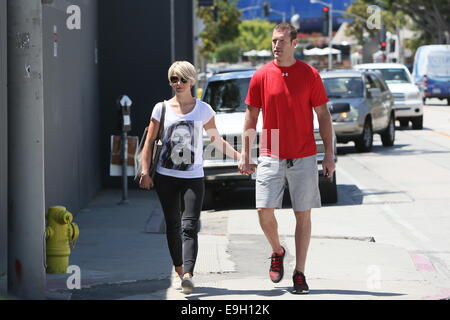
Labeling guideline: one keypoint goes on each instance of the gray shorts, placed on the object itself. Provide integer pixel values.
(301, 175)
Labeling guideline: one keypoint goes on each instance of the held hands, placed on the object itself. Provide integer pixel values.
(146, 182)
(246, 166)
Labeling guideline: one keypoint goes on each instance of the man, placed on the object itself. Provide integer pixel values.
(287, 91)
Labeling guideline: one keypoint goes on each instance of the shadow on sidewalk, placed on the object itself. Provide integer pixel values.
(201, 292)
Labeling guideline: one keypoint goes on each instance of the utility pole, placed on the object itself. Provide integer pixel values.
(26, 188)
(172, 31)
(3, 148)
(329, 12)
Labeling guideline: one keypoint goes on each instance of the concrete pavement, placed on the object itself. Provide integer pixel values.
(119, 259)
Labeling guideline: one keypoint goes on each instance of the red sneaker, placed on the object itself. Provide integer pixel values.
(300, 285)
(276, 271)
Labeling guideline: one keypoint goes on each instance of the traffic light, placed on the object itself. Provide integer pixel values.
(383, 45)
(326, 21)
(266, 9)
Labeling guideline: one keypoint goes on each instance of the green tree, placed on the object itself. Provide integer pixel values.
(255, 35)
(228, 52)
(430, 17)
(389, 20)
(225, 29)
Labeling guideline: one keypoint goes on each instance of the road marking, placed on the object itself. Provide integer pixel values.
(439, 133)
(422, 262)
(444, 294)
(387, 209)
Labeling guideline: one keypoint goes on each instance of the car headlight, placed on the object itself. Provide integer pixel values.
(352, 115)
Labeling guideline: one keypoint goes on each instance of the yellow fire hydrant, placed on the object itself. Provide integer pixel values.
(60, 234)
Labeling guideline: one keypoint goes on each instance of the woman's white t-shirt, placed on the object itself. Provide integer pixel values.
(182, 150)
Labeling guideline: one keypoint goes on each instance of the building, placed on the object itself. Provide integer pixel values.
(92, 52)
(310, 14)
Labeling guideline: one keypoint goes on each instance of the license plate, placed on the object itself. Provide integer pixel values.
(436, 90)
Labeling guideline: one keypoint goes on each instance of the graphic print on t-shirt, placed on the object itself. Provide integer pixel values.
(179, 146)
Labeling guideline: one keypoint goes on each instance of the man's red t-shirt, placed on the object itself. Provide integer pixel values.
(287, 96)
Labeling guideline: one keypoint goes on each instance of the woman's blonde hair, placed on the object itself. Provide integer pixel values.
(183, 69)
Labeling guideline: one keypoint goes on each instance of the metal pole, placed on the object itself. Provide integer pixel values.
(26, 187)
(194, 41)
(3, 150)
(330, 37)
(124, 158)
(172, 30)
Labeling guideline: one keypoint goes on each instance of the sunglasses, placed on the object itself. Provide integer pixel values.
(176, 79)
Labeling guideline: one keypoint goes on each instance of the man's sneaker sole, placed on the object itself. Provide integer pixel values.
(187, 285)
(300, 291)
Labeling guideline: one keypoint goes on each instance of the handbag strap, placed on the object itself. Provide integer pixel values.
(161, 121)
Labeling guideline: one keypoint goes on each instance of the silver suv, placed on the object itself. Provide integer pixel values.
(408, 103)
(371, 107)
(226, 94)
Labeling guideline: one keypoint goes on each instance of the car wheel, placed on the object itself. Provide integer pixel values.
(365, 142)
(208, 199)
(417, 123)
(328, 190)
(404, 123)
(388, 136)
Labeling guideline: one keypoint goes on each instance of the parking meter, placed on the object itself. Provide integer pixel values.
(124, 103)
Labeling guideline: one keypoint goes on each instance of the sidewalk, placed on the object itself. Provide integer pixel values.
(119, 259)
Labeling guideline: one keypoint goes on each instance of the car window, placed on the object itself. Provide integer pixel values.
(344, 87)
(394, 75)
(228, 95)
(378, 83)
(370, 84)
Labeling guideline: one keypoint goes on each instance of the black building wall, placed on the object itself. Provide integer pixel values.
(72, 109)
(134, 56)
(3, 146)
(123, 46)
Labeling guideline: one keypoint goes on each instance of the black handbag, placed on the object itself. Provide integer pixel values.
(157, 147)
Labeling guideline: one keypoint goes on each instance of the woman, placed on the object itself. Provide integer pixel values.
(179, 173)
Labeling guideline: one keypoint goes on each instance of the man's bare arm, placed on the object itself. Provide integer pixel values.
(248, 137)
(326, 132)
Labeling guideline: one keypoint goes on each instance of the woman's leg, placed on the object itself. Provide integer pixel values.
(169, 192)
(192, 197)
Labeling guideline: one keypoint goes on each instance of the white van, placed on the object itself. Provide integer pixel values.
(432, 71)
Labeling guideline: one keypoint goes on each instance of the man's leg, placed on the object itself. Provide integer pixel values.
(270, 184)
(269, 225)
(302, 238)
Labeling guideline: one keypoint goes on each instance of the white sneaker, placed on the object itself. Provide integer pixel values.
(187, 285)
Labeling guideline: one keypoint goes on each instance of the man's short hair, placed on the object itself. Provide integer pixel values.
(287, 27)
